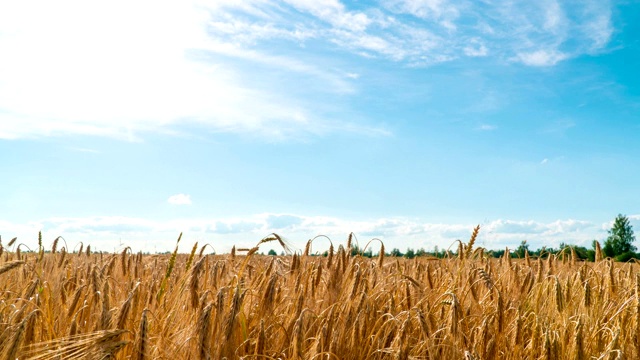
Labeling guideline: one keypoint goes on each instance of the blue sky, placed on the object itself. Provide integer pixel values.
(407, 120)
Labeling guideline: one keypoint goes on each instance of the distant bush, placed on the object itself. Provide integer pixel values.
(624, 257)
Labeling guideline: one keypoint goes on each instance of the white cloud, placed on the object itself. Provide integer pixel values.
(487, 127)
(283, 221)
(553, 16)
(334, 12)
(599, 29)
(544, 161)
(84, 150)
(545, 57)
(441, 11)
(179, 199)
(233, 227)
(222, 233)
(475, 48)
(634, 220)
(116, 69)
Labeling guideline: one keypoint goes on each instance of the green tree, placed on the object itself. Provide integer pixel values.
(272, 252)
(522, 248)
(396, 252)
(410, 254)
(621, 238)
(436, 251)
(355, 250)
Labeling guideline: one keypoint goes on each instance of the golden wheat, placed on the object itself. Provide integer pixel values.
(306, 306)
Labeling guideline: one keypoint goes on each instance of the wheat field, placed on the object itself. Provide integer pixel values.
(83, 305)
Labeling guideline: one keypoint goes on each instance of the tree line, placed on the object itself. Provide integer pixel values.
(619, 245)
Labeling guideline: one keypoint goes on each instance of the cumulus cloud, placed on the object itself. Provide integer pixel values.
(283, 221)
(234, 227)
(100, 224)
(634, 220)
(152, 235)
(179, 199)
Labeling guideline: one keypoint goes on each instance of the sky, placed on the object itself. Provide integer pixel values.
(125, 123)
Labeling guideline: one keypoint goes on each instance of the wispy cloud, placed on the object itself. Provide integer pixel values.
(535, 34)
(544, 57)
(487, 127)
(476, 48)
(334, 13)
(600, 27)
(179, 199)
(217, 64)
(101, 81)
(442, 12)
(84, 150)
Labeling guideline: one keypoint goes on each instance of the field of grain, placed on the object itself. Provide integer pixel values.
(82, 305)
